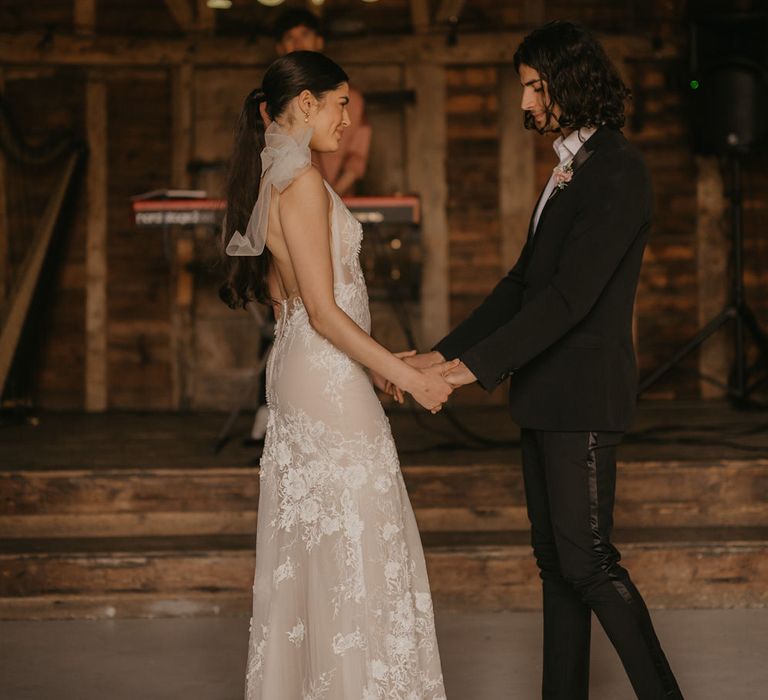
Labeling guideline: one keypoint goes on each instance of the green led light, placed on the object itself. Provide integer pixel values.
(694, 84)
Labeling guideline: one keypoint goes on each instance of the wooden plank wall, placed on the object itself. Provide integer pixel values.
(667, 294)
(5, 269)
(146, 365)
(473, 185)
(139, 159)
(96, 271)
(755, 183)
(137, 17)
(222, 350)
(224, 342)
(45, 102)
(136, 320)
(712, 280)
(427, 152)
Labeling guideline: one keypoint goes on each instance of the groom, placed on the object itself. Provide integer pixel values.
(560, 326)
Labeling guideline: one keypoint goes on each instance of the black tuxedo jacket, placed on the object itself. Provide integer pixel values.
(560, 322)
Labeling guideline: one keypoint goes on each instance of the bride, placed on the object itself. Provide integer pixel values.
(341, 602)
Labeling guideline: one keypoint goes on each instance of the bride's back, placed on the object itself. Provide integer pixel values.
(282, 279)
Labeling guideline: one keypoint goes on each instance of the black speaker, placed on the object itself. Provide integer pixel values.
(728, 85)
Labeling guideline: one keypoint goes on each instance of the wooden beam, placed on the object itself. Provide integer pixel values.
(12, 73)
(517, 180)
(206, 18)
(181, 99)
(420, 16)
(449, 11)
(182, 320)
(113, 73)
(479, 48)
(96, 249)
(84, 16)
(182, 280)
(533, 12)
(14, 312)
(4, 231)
(127, 74)
(712, 255)
(426, 149)
(181, 11)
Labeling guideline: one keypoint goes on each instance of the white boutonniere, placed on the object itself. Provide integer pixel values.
(563, 174)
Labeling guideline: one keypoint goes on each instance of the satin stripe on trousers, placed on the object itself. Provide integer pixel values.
(570, 480)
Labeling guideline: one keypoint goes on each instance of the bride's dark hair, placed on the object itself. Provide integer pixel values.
(287, 77)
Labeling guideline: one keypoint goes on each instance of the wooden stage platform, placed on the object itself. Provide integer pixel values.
(135, 515)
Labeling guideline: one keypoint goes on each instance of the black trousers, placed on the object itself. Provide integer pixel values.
(570, 480)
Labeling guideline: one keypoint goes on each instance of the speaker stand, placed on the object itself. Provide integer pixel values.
(739, 388)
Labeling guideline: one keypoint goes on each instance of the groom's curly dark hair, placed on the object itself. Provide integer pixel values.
(580, 77)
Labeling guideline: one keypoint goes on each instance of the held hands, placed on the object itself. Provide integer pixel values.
(432, 365)
(423, 360)
(387, 387)
(427, 385)
(432, 390)
(434, 383)
(459, 375)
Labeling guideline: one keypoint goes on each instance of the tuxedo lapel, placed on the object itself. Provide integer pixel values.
(533, 215)
(581, 157)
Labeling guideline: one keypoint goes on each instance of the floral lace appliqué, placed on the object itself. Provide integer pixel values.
(340, 576)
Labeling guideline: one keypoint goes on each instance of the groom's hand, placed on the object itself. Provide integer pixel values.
(460, 375)
(424, 360)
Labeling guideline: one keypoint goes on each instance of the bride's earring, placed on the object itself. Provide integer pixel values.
(306, 117)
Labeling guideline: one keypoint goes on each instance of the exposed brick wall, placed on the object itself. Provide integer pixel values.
(668, 289)
(472, 161)
(755, 186)
(667, 293)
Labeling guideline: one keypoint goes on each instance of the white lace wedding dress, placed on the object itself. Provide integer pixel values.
(341, 602)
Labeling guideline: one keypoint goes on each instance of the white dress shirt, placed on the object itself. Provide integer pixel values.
(566, 148)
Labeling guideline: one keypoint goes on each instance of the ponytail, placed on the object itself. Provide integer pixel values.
(246, 278)
(287, 77)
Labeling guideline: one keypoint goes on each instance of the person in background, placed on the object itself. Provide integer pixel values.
(299, 30)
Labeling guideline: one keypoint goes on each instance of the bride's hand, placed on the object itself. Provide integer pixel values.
(387, 387)
(432, 390)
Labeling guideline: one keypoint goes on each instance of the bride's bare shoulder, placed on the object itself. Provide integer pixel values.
(308, 187)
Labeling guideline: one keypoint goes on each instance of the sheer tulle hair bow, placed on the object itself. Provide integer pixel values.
(283, 159)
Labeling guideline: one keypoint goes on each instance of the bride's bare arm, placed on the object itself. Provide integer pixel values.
(304, 213)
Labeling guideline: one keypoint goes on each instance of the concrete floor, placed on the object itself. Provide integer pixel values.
(716, 654)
